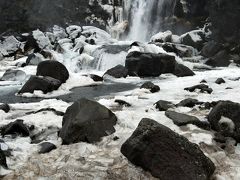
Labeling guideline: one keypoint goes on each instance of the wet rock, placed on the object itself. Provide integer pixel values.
(58, 113)
(87, 121)
(53, 69)
(149, 65)
(162, 37)
(194, 38)
(221, 59)
(183, 119)
(15, 128)
(13, 75)
(182, 71)
(118, 71)
(189, 102)
(150, 86)
(5, 108)
(220, 81)
(46, 147)
(210, 49)
(3, 161)
(164, 105)
(34, 59)
(44, 84)
(96, 78)
(122, 103)
(201, 87)
(224, 118)
(166, 154)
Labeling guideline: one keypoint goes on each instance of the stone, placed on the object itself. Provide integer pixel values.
(166, 154)
(87, 121)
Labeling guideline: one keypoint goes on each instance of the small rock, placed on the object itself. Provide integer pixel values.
(122, 103)
(201, 87)
(183, 119)
(164, 105)
(46, 147)
(14, 75)
(182, 71)
(220, 81)
(189, 102)
(150, 86)
(5, 108)
(96, 78)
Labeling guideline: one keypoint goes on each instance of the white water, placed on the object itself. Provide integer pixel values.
(145, 17)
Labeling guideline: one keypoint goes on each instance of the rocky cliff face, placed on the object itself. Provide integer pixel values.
(26, 15)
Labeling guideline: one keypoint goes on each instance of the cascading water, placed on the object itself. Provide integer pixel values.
(145, 17)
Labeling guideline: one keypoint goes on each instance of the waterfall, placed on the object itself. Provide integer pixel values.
(145, 17)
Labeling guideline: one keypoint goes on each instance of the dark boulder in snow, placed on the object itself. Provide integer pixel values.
(202, 87)
(183, 119)
(87, 121)
(166, 154)
(118, 71)
(164, 105)
(150, 86)
(44, 84)
(224, 118)
(15, 128)
(149, 65)
(220, 81)
(221, 59)
(53, 69)
(46, 147)
(13, 75)
(182, 71)
(5, 108)
(189, 102)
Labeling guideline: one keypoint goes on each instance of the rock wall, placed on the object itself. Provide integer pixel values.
(26, 15)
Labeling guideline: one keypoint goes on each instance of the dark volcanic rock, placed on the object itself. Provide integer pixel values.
(221, 59)
(46, 147)
(44, 84)
(122, 103)
(201, 87)
(150, 86)
(220, 81)
(228, 127)
(87, 121)
(166, 154)
(53, 69)
(118, 71)
(183, 119)
(5, 108)
(149, 65)
(15, 128)
(182, 71)
(164, 105)
(210, 49)
(189, 102)
(3, 161)
(95, 77)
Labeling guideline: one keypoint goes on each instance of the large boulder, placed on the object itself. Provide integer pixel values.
(210, 49)
(221, 59)
(87, 121)
(224, 118)
(118, 71)
(149, 64)
(166, 154)
(44, 84)
(53, 69)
